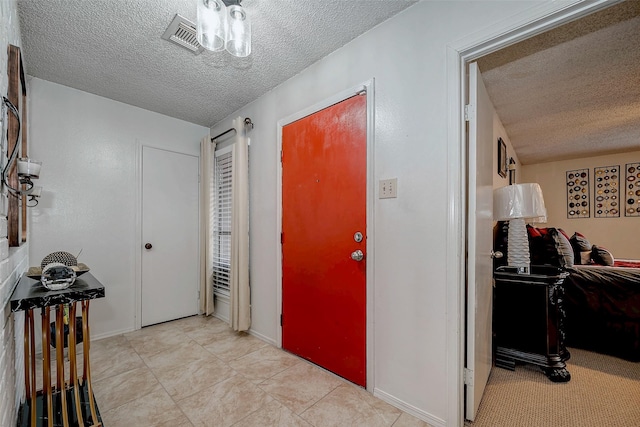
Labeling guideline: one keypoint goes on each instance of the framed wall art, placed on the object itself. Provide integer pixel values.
(606, 192)
(502, 158)
(631, 193)
(578, 201)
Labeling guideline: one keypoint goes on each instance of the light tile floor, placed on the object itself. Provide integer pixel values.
(198, 372)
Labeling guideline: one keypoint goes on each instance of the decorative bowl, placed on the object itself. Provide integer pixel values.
(36, 272)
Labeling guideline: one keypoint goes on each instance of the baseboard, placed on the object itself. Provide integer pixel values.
(96, 337)
(220, 317)
(410, 409)
(262, 337)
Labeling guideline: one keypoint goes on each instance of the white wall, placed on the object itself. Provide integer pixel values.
(618, 235)
(407, 57)
(500, 132)
(12, 262)
(89, 147)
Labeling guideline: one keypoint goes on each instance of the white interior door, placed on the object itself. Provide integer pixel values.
(170, 248)
(480, 235)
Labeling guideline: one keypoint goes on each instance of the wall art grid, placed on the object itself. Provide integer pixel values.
(578, 201)
(606, 192)
(632, 190)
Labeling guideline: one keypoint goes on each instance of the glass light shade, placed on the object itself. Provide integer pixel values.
(36, 191)
(211, 24)
(239, 32)
(27, 167)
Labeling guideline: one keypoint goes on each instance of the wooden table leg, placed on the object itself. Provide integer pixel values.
(86, 365)
(62, 387)
(33, 361)
(30, 364)
(46, 365)
(73, 367)
(27, 357)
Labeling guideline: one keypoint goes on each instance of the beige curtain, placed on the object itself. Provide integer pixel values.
(207, 149)
(240, 310)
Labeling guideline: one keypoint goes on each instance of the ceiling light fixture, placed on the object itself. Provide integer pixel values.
(223, 24)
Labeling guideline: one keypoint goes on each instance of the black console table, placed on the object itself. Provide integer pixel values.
(68, 403)
(528, 320)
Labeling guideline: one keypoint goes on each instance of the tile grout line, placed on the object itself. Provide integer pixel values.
(164, 388)
(145, 366)
(181, 333)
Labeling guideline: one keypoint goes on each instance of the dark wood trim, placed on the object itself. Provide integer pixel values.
(13, 72)
(24, 153)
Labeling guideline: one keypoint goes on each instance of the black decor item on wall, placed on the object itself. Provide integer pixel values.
(512, 171)
(502, 158)
(606, 192)
(631, 192)
(578, 201)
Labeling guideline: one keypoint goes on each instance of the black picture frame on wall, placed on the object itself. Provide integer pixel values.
(502, 158)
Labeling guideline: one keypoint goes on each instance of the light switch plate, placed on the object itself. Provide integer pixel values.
(388, 188)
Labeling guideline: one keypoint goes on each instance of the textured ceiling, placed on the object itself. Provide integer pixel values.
(571, 92)
(113, 48)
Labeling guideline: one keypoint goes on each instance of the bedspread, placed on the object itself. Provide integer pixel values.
(603, 310)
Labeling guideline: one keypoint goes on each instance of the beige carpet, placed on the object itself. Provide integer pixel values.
(603, 391)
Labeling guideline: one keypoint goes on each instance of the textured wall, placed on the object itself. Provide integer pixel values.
(619, 235)
(89, 147)
(12, 262)
(406, 55)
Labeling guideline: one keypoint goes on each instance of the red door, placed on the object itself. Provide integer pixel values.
(324, 179)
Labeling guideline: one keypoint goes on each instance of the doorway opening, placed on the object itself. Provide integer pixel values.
(540, 20)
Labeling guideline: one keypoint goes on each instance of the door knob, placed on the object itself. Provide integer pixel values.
(357, 255)
(148, 246)
(496, 254)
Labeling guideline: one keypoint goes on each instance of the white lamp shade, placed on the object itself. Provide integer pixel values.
(211, 25)
(238, 32)
(518, 201)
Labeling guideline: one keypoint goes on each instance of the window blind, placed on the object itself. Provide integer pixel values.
(222, 222)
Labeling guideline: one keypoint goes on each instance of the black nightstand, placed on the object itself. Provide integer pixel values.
(528, 320)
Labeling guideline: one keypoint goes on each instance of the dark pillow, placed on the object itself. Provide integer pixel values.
(564, 233)
(540, 246)
(579, 243)
(578, 240)
(563, 247)
(547, 246)
(601, 256)
(533, 232)
(585, 258)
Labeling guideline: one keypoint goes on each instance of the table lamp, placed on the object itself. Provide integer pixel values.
(516, 203)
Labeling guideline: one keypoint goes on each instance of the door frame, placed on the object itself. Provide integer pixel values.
(367, 86)
(529, 23)
(138, 230)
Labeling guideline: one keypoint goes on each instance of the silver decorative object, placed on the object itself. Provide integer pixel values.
(57, 276)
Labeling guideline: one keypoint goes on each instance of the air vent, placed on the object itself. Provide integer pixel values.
(182, 32)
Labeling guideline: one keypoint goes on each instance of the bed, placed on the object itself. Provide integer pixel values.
(603, 310)
(602, 302)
